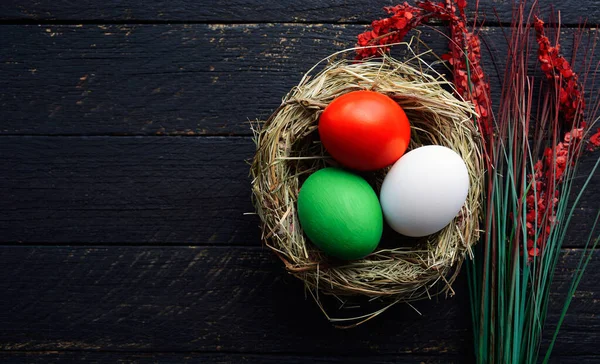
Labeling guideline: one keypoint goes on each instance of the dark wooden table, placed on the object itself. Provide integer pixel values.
(124, 185)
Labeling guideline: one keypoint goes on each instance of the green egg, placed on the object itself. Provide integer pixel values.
(340, 213)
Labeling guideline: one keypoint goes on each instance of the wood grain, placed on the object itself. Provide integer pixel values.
(168, 79)
(126, 190)
(135, 190)
(122, 246)
(253, 10)
(153, 79)
(224, 358)
(192, 299)
(34, 357)
(220, 299)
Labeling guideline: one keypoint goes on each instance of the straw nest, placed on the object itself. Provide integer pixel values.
(288, 150)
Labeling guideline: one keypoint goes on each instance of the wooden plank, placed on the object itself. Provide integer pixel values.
(153, 79)
(225, 300)
(167, 79)
(193, 299)
(131, 190)
(34, 357)
(583, 311)
(195, 357)
(252, 10)
(126, 190)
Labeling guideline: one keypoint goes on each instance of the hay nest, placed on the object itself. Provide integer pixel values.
(288, 150)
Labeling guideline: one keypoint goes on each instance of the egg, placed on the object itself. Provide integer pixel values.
(364, 130)
(424, 190)
(340, 213)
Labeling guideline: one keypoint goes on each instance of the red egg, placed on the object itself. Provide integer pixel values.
(364, 130)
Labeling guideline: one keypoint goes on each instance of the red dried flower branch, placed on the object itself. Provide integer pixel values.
(390, 30)
(542, 197)
(469, 78)
(594, 141)
(464, 55)
(557, 68)
(470, 83)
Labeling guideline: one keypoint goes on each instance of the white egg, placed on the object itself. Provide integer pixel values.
(424, 190)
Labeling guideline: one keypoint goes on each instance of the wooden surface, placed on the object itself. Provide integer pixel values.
(124, 232)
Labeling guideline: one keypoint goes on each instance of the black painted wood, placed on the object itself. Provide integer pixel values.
(72, 83)
(225, 358)
(153, 79)
(168, 79)
(193, 299)
(230, 300)
(253, 10)
(132, 190)
(126, 190)
(34, 357)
